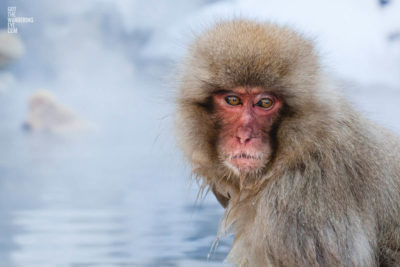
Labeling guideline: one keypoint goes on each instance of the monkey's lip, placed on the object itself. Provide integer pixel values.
(245, 156)
(244, 161)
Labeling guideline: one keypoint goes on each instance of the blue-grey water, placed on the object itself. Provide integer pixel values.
(117, 195)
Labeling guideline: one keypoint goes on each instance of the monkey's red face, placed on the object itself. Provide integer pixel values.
(246, 117)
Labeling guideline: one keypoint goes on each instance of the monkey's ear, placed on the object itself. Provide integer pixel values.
(224, 201)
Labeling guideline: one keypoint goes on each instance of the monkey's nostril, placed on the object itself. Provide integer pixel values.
(243, 140)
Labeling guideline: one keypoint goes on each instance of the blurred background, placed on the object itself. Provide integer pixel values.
(90, 174)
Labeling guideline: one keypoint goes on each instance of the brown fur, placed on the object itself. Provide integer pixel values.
(330, 195)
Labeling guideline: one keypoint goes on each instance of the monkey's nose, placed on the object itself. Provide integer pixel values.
(243, 135)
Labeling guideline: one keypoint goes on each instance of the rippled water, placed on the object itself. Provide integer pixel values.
(109, 237)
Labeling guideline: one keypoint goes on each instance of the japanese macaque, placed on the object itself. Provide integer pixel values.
(47, 115)
(304, 178)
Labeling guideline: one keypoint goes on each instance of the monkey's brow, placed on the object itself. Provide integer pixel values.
(223, 91)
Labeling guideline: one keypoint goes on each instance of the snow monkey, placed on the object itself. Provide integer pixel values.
(304, 178)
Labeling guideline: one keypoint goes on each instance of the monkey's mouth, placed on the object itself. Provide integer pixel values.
(245, 156)
(244, 161)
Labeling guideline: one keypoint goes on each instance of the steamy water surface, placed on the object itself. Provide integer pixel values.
(117, 195)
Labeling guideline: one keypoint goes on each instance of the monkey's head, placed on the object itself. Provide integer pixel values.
(239, 80)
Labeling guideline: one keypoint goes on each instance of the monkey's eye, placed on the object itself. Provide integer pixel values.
(232, 100)
(266, 103)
